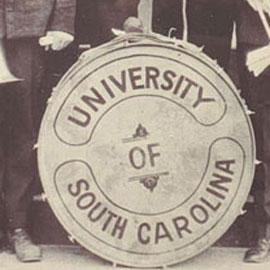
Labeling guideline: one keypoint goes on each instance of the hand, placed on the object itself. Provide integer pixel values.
(133, 24)
(254, 3)
(56, 40)
(265, 4)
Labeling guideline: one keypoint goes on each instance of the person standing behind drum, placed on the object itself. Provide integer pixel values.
(22, 23)
(251, 35)
(209, 24)
(95, 19)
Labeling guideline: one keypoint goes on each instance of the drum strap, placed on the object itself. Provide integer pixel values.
(185, 21)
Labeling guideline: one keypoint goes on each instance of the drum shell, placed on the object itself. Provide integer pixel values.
(59, 145)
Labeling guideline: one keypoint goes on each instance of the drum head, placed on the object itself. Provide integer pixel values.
(146, 152)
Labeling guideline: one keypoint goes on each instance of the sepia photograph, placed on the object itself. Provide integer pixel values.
(134, 134)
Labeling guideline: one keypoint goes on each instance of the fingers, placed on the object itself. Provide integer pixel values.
(59, 45)
(55, 40)
(46, 42)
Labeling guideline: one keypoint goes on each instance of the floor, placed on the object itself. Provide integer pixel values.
(75, 258)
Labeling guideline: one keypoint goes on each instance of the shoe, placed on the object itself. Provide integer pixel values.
(25, 249)
(259, 253)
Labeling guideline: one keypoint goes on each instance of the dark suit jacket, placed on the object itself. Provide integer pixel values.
(32, 18)
(96, 18)
(249, 26)
(210, 23)
(212, 18)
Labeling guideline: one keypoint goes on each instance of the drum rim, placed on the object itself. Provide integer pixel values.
(222, 229)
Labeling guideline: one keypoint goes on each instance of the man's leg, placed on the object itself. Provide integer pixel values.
(25, 60)
(261, 191)
(255, 92)
(3, 132)
(266, 163)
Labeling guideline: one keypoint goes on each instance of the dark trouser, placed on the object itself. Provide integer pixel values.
(19, 121)
(256, 92)
(210, 24)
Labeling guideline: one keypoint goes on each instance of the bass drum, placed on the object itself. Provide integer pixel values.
(146, 152)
